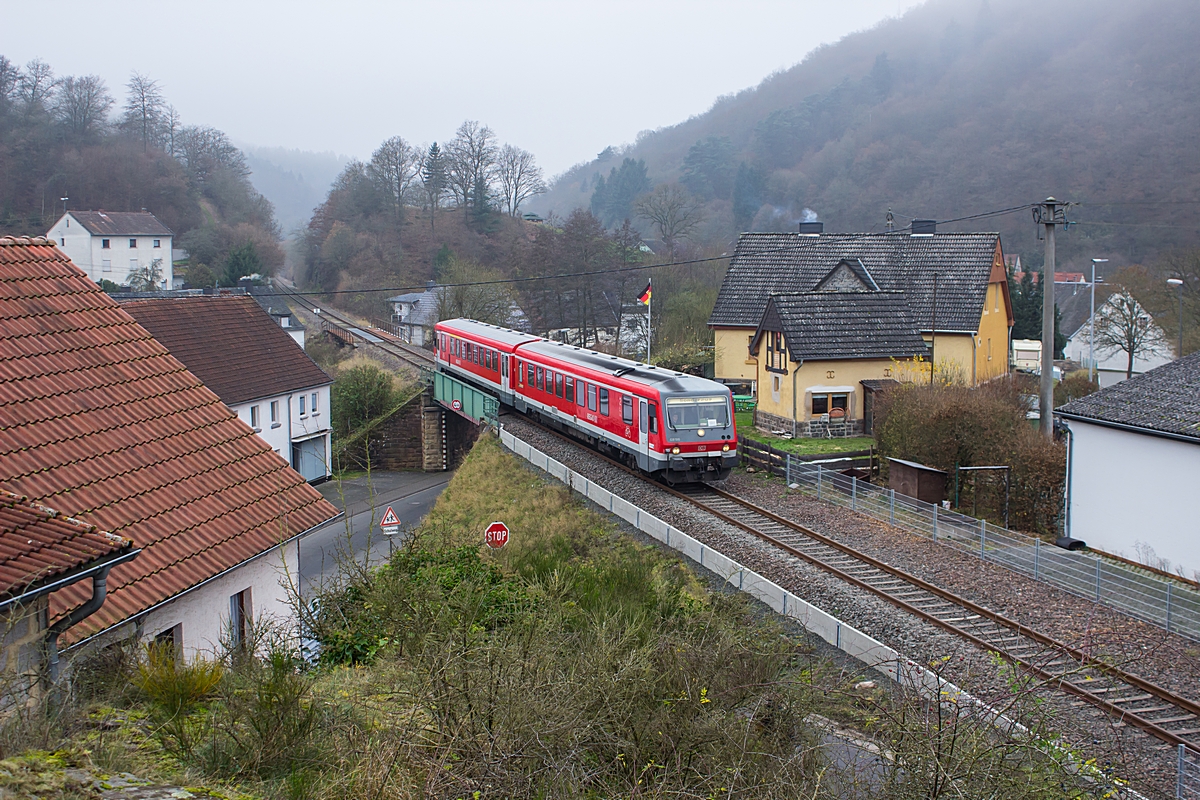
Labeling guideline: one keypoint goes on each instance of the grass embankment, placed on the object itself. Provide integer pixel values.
(574, 662)
(799, 446)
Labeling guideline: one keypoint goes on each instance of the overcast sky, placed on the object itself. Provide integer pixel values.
(562, 79)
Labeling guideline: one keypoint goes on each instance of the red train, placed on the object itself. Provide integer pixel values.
(668, 424)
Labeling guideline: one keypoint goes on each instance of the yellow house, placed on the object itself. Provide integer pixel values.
(952, 282)
(821, 356)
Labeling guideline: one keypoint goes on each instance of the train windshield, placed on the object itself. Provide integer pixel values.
(697, 412)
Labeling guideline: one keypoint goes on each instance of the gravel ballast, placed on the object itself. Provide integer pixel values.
(1165, 659)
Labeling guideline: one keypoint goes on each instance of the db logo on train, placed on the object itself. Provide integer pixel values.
(496, 535)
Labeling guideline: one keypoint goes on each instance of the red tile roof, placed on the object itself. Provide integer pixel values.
(231, 344)
(99, 421)
(38, 544)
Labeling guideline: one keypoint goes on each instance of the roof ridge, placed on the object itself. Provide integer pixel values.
(26, 241)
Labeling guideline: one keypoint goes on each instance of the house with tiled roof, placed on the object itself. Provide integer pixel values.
(1111, 364)
(1133, 458)
(99, 421)
(950, 288)
(254, 366)
(112, 245)
(822, 355)
(43, 551)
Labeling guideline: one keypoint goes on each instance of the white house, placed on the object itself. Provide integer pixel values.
(415, 314)
(1133, 466)
(116, 432)
(234, 346)
(1074, 303)
(109, 245)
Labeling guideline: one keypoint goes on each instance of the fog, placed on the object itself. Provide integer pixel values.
(563, 80)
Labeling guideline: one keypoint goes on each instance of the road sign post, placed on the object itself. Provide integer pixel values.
(496, 535)
(390, 522)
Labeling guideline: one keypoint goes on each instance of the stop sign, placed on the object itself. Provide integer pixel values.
(496, 535)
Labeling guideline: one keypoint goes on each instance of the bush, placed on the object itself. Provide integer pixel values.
(359, 395)
(950, 426)
(1074, 386)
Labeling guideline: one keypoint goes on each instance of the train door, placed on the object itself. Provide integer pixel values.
(503, 372)
(643, 434)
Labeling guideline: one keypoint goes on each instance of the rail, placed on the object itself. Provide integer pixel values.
(1171, 605)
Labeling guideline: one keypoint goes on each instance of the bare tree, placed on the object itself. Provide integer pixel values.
(35, 86)
(148, 278)
(204, 150)
(81, 105)
(171, 125)
(395, 166)
(144, 108)
(1122, 325)
(471, 165)
(520, 177)
(476, 292)
(10, 80)
(672, 211)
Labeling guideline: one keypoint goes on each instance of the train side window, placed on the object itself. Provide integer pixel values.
(541, 375)
(643, 423)
(558, 385)
(570, 390)
(626, 409)
(604, 402)
(591, 397)
(529, 374)
(581, 397)
(653, 418)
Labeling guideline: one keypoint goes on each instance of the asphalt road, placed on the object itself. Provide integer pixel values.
(410, 494)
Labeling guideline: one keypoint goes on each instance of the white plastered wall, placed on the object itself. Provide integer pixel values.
(1131, 490)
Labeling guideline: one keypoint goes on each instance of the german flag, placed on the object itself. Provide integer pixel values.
(644, 298)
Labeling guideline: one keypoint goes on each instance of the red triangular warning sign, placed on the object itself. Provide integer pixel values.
(390, 520)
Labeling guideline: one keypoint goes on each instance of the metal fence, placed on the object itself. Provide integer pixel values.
(1187, 782)
(1167, 604)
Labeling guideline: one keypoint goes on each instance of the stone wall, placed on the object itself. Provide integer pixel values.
(22, 653)
(814, 429)
(419, 436)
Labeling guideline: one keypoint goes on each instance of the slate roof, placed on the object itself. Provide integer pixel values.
(38, 544)
(100, 422)
(767, 263)
(230, 344)
(822, 326)
(121, 223)
(425, 306)
(1075, 303)
(1165, 399)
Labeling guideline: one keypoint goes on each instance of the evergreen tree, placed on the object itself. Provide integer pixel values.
(612, 200)
(433, 178)
(749, 188)
(242, 262)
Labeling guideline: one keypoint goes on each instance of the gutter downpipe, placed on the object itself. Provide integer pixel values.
(795, 370)
(1070, 461)
(79, 614)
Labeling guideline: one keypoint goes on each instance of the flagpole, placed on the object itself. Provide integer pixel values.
(649, 319)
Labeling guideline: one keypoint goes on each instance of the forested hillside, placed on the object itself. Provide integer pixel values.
(67, 137)
(959, 107)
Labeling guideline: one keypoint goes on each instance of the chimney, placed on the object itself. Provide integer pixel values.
(924, 227)
(812, 228)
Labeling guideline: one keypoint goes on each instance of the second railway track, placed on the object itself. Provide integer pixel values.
(1127, 697)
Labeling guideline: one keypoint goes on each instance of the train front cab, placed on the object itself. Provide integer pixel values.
(699, 440)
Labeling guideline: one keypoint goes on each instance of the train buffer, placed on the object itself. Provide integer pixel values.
(465, 400)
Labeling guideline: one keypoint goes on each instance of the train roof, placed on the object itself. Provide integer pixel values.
(635, 371)
(496, 333)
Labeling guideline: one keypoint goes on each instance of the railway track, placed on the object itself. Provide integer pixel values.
(1127, 697)
(349, 330)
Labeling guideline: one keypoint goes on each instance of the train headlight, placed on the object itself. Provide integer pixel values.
(700, 432)
(675, 451)
(725, 448)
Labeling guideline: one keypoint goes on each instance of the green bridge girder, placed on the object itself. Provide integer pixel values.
(464, 399)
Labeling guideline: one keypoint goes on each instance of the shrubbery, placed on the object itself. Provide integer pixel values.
(949, 426)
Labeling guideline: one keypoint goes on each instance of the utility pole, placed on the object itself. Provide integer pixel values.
(1048, 214)
(1092, 322)
(1179, 283)
(933, 333)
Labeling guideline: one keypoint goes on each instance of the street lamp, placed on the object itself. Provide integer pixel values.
(1092, 322)
(1179, 283)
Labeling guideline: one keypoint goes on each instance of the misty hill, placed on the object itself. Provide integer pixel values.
(295, 181)
(959, 107)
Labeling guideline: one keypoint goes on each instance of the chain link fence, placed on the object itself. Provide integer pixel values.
(1167, 604)
(1187, 784)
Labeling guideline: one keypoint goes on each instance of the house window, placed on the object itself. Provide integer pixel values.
(254, 417)
(627, 409)
(172, 637)
(604, 402)
(133, 264)
(158, 242)
(989, 348)
(570, 390)
(776, 352)
(133, 244)
(824, 403)
(313, 400)
(275, 411)
(303, 410)
(104, 244)
(240, 616)
(106, 265)
(63, 241)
